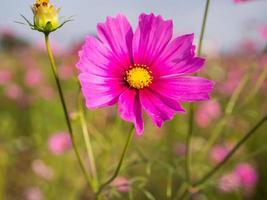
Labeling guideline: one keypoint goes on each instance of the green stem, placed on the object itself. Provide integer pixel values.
(63, 103)
(258, 84)
(203, 27)
(235, 148)
(182, 189)
(103, 185)
(88, 144)
(188, 144)
(228, 111)
(169, 186)
(191, 112)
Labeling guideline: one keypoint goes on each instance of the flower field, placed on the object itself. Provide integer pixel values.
(131, 112)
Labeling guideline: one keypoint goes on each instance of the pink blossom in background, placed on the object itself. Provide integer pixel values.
(46, 92)
(24, 100)
(7, 32)
(121, 184)
(42, 170)
(33, 193)
(65, 72)
(207, 112)
(143, 70)
(233, 78)
(241, 1)
(28, 60)
(5, 76)
(179, 149)
(247, 174)
(13, 91)
(248, 46)
(263, 32)
(244, 177)
(56, 48)
(59, 143)
(229, 183)
(218, 153)
(33, 77)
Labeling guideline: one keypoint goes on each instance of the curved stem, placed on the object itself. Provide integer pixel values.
(63, 103)
(88, 144)
(103, 185)
(191, 112)
(235, 148)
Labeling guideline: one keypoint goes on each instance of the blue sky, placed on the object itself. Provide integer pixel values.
(227, 22)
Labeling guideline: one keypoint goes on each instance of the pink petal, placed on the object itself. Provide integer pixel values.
(178, 58)
(179, 49)
(100, 91)
(116, 33)
(97, 59)
(130, 109)
(184, 89)
(158, 107)
(150, 38)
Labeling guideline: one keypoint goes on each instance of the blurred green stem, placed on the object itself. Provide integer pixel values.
(228, 111)
(63, 103)
(258, 84)
(88, 144)
(103, 185)
(191, 112)
(203, 27)
(182, 189)
(234, 149)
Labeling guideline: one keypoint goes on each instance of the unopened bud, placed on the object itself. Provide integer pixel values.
(45, 15)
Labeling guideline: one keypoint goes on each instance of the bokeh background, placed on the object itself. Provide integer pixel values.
(36, 158)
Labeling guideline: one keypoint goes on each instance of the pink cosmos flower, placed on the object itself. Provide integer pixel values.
(247, 174)
(65, 72)
(5, 76)
(57, 49)
(207, 112)
(33, 77)
(229, 183)
(179, 149)
(59, 143)
(46, 92)
(232, 80)
(241, 1)
(33, 193)
(142, 70)
(218, 153)
(13, 91)
(42, 170)
(244, 176)
(263, 32)
(121, 183)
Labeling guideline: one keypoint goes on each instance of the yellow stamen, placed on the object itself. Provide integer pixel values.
(139, 76)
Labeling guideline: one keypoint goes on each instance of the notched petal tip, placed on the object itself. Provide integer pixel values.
(119, 16)
(143, 16)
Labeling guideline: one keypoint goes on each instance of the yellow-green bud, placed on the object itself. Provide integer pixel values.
(45, 15)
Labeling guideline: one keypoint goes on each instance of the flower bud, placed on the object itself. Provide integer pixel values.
(45, 15)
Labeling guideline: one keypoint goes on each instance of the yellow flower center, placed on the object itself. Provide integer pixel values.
(139, 76)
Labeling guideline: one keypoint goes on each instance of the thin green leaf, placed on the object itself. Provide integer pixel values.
(149, 195)
(28, 22)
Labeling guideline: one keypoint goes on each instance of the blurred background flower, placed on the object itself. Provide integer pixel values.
(59, 143)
